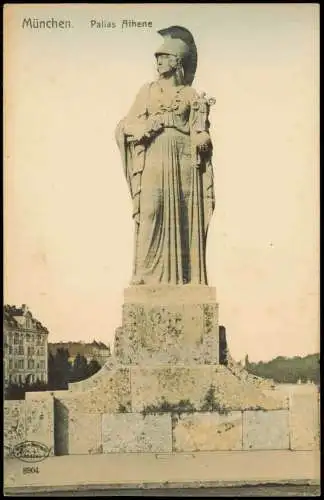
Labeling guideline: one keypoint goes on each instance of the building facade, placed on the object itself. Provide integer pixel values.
(94, 350)
(25, 342)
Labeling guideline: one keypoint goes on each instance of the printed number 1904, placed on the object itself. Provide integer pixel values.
(30, 470)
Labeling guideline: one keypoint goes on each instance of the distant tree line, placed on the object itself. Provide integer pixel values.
(61, 372)
(287, 370)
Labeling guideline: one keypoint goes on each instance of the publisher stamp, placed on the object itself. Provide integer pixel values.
(30, 451)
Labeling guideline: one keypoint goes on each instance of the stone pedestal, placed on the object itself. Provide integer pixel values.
(166, 389)
(168, 324)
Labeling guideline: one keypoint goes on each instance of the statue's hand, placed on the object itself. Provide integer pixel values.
(144, 131)
(154, 125)
(202, 141)
(135, 131)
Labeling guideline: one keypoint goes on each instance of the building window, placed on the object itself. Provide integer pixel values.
(42, 364)
(10, 364)
(30, 351)
(42, 350)
(20, 364)
(10, 349)
(31, 364)
(21, 350)
(16, 338)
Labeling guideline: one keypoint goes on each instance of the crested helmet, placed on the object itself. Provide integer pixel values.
(178, 41)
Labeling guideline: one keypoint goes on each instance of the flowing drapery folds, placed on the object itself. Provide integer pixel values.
(166, 152)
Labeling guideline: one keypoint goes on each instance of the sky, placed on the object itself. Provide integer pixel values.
(68, 231)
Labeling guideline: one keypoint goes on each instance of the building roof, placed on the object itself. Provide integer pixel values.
(82, 348)
(10, 313)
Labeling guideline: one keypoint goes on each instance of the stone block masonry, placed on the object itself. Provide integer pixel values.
(150, 385)
(168, 324)
(89, 422)
(14, 424)
(40, 422)
(134, 387)
(170, 432)
(304, 421)
(29, 420)
(134, 432)
(266, 430)
(208, 431)
(85, 433)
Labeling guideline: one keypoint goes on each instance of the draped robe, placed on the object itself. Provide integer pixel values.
(170, 183)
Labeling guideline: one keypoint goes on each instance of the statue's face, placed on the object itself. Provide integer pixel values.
(166, 64)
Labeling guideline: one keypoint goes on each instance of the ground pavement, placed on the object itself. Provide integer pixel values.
(184, 471)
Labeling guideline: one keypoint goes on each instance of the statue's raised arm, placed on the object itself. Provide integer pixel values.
(166, 152)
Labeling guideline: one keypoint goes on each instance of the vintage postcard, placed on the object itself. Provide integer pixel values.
(161, 269)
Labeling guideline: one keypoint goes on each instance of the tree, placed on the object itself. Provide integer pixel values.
(59, 369)
(80, 368)
(93, 367)
(14, 391)
(288, 370)
(223, 349)
(51, 371)
(17, 391)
